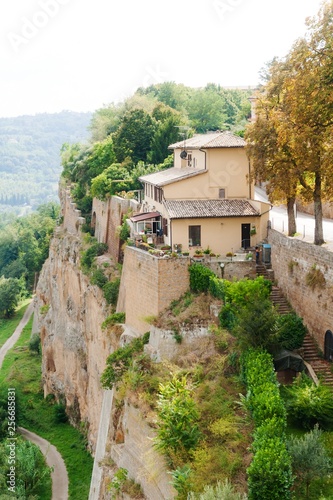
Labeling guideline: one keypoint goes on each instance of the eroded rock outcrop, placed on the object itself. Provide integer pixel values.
(69, 313)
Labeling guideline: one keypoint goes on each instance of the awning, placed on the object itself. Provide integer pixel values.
(145, 216)
(288, 359)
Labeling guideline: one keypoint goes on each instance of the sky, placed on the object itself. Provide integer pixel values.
(82, 55)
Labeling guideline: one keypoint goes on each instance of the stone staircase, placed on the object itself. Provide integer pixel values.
(279, 301)
(309, 351)
(321, 367)
(261, 270)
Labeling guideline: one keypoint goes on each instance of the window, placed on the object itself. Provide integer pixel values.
(194, 236)
(222, 193)
(158, 194)
(189, 160)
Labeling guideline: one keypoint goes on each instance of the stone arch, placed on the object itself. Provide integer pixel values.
(328, 345)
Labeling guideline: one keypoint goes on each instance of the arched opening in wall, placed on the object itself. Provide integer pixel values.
(328, 346)
(93, 223)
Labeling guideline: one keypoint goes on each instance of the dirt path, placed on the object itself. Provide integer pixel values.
(16, 335)
(52, 456)
(53, 459)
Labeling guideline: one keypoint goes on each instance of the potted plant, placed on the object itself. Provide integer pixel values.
(198, 254)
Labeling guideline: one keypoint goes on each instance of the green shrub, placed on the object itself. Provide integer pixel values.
(218, 287)
(309, 404)
(113, 319)
(222, 491)
(291, 331)
(34, 343)
(119, 361)
(270, 474)
(98, 278)
(310, 459)
(111, 291)
(255, 325)
(88, 256)
(181, 481)
(199, 278)
(124, 231)
(241, 296)
(60, 415)
(177, 426)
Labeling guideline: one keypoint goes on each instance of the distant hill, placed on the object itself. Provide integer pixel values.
(30, 156)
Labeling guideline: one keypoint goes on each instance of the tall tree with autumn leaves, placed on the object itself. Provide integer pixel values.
(291, 141)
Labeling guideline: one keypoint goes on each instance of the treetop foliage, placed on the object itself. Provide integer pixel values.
(135, 134)
(290, 143)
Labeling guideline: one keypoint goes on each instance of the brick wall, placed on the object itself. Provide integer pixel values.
(149, 284)
(292, 260)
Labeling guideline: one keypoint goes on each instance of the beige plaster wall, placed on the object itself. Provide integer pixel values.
(222, 235)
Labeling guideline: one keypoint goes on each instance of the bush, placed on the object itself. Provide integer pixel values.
(119, 361)
(34, 343)
(199, 278)
(309, 404)
(218, 287)
(270, 474)
(60, 415)
(309, 458)
(111, 291)
(222, 491)
(113, 319)
(124, 230)
(291, 331)
(88, 256)
(178, 429)
(98, 278)
(238, 295)
(255, 325)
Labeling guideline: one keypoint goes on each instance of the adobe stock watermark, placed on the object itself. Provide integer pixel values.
(32, 25)
(11, 440)
(153, 75)
(225, 7)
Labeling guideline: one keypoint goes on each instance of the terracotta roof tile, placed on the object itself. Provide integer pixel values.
(191, 209)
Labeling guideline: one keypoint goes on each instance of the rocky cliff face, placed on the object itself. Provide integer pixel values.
(69, 313)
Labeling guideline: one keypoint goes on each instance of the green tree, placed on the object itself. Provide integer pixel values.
(111, 181)
(134, 136)
(10, 291)
(309, 457)
(206, 110)
(299, 105)
(167, 133)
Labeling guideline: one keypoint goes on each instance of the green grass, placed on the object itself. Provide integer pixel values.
(7, 326)
(22, 369)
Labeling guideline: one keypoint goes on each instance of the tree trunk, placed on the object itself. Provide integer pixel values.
(318, 211)
(291, 216)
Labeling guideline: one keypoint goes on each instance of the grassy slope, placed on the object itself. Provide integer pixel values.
(7, 326)
(22, 369)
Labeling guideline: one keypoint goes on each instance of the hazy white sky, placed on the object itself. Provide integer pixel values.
(82, 54)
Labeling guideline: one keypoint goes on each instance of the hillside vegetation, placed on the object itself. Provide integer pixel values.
(30, 156)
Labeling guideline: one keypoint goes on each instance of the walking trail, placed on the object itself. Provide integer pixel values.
(52, 456)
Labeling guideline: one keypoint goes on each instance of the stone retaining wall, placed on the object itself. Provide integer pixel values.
(149, 284)
(293, 262)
